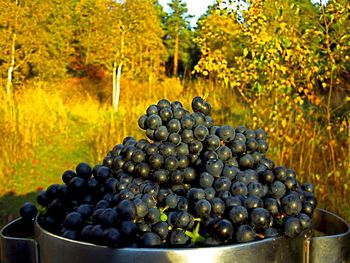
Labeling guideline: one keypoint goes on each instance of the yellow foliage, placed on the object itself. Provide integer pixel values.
(281, 60)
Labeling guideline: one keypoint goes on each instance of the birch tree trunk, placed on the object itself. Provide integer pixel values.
(114, 86)
(117, 94)
(13, 53)
(117, 74)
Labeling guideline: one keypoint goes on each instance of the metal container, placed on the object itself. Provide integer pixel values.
(44, 247)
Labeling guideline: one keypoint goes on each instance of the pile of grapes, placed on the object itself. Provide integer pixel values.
(192, 184)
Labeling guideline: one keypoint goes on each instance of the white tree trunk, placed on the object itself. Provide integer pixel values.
(117, 73)
(114, 85)
(9, 80)
(117, 95)
(13, 50)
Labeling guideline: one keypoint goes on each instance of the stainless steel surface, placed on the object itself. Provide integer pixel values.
(334, 247)
(17, 249)
(265, 251)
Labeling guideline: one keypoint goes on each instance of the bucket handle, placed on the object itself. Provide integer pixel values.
(334, 245)
(16, 245)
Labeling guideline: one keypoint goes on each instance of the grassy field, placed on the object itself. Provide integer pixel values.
(49, 128)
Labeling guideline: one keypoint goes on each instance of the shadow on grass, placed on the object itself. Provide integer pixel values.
(10, 203)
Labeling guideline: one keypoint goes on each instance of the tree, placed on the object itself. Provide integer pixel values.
(145, 50)
(15, 51)
(285, 59)
(125, 38)
(178, 34)
(141, 50)
(34, 40)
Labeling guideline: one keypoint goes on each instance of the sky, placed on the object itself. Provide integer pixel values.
(199, 7)
(195, 7)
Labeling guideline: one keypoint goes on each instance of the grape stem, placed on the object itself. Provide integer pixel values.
(194, 235)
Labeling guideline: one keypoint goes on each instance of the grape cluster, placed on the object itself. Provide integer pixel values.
(191, 184)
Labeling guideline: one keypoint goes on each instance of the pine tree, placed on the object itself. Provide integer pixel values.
(178, 34)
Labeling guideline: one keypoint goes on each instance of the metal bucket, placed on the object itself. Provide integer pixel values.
(45, 247)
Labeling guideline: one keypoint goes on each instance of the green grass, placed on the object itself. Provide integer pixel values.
(50, 158)
(10, 204)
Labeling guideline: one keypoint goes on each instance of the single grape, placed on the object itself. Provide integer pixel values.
(218, 206)
(271, 232)
(68, 175)
(171, 200)
(163, 103)
(238, 214)
(222, 230)
(214, 167)
(280, 173)
(224, 153)
(174, 138)
(292, 227)
(161, 229)
(108, 217)
(222, 184)
(166, 114)
(183, 219)
(140, 207)
(178, 238)
(245, 233)
(271, 205)
(52, 190)
(126, 209)
(201, 132)
(251, 145)
(142, 122)
(171, 163)
(73, 221)
(212, 142)
(206, 180)
(83, 170)
(239, 188)
(231, 201)
(253, 201)
(128, 229)
(70, 234)
(150, 239)
(28, 211)
(230, 171)
(260, 218)
(85, 210)
(203, 208)
(152, 109)
(291, 204)
(153, 121)
(255, 188)
(153, 216)
(161, 134)
(246, 161)
(249, 134)
(112, 237)
(305, 220)
(277, 189)
(42, 199)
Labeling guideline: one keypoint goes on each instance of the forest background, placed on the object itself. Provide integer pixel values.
(75, 75)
